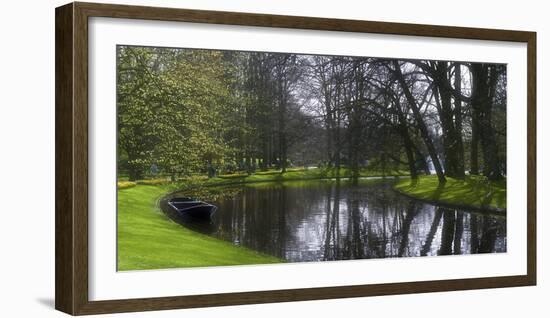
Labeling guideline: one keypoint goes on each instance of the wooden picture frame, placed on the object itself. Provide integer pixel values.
(71, 267)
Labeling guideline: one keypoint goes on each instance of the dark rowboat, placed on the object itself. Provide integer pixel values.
(193, 208)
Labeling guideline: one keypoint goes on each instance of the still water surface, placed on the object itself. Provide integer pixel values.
(334, 220)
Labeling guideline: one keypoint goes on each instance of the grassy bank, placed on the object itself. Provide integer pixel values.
(298, 174)
(474, 191)
(147, 239)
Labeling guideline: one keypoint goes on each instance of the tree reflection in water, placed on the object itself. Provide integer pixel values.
(333, 220)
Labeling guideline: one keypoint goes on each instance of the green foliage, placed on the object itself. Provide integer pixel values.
(171, 105)
(474, 191)
(147, 239)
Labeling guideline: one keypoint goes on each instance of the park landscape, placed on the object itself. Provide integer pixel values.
(306, 157)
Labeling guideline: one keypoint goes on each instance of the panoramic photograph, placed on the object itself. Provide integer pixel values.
(231, 158)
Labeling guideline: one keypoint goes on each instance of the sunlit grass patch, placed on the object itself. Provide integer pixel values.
(321, 183)
(125, 184)
(474, 191)
(298, 173)
(154, 181)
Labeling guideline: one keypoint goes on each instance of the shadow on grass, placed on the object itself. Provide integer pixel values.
(487, 198)
(232, 176)
(501, 200)
(437, 193)
(484, 191)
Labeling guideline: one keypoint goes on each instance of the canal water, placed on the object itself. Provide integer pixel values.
(325, 220)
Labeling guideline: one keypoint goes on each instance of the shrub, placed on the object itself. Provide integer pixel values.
(125, 184)
(153, 182)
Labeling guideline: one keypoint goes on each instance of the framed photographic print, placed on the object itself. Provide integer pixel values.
(218, 158)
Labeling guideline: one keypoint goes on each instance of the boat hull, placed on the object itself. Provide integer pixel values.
(188, 207)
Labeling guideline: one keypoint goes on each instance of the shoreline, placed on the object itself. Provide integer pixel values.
(486, 210)
(501, 212)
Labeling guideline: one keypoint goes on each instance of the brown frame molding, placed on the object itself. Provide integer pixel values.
(71, 154)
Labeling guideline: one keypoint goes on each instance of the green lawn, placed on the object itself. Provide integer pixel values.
(147, 239)
(474, 191)
(291, 174)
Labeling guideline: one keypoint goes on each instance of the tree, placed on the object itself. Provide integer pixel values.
(137, 87)
(170, 109)
(451, 119)
(286, 72)
(189, 111)
(484, 82)
(419, 121)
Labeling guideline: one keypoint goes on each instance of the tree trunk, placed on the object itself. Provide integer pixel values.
(409, 151)
(337, 137)
(134, 174)
(451, 122)
(135, 171)
(407, 142)
(443, 101)
(329, 123)
(420, 122)
(474, 153)
(338, 148)
(458, 125)
(355, 123)
(474, 161)
(282, 124)
(421, 159)
(484, 80)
